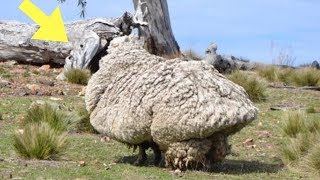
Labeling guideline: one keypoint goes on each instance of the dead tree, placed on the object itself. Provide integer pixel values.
(89, 39)
(159, 38)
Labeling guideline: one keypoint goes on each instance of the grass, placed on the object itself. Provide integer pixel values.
(112, 160)
(192, 55)
(270, 73)
(311, 110)
(276, 74)
(301, 148)
(78, 76)
(313, 159)
(313, 124)
(46, 113)
(294, 124)
(83, 124)
(106, 160)
(306, 77)
(295, 148)
(39, 141)
(297, 77)
(253, 86)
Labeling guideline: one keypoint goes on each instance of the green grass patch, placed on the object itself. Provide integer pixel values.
(311, 110)
(295, 148)
(294, 124)
(276, 74)
(39, 141)
(78, 76)
(313, 159)
(83, 124)
(46, 113)
(306, 77)
(301, 145)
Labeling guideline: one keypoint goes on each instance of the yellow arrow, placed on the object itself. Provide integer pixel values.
(51, 27)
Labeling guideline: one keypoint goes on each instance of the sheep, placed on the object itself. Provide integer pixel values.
(184, 108)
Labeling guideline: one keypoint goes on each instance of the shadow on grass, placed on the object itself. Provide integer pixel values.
(131, 160)
(245, 167)
(227, 167)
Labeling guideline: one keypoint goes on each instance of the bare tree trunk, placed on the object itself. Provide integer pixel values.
(159, 39)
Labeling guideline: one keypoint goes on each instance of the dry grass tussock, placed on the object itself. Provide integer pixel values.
(288, 76)
(78, 76)
(301, 147)
(255, 88)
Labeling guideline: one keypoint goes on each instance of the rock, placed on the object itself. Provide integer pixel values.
(264, 134)
(20, 131)
(105, 139)
(177, 172)
(248, 143)
(55, 99)
(46, 82)
(45, 68)
(23, 92)
(137, 98)
(82, 92)
(11, 63)
(34, 88)
(23, 163)
(60, 92)
(4, 83)
(8, 175)
(81, 163)
(315, 64)
(61, 77)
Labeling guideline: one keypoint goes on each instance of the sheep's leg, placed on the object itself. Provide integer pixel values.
(142, 157)
(157, 154)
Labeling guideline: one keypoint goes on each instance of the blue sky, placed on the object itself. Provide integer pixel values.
(255, 29)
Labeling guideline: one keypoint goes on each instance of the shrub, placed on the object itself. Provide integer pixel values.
(46, 113)
(254, 87)
(1, 116)
(192, 55)
(306, 77)
(294, 124)
(39, 141)
(77, 76)
(84, 125)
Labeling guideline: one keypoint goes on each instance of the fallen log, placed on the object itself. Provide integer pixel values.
(87, 38)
